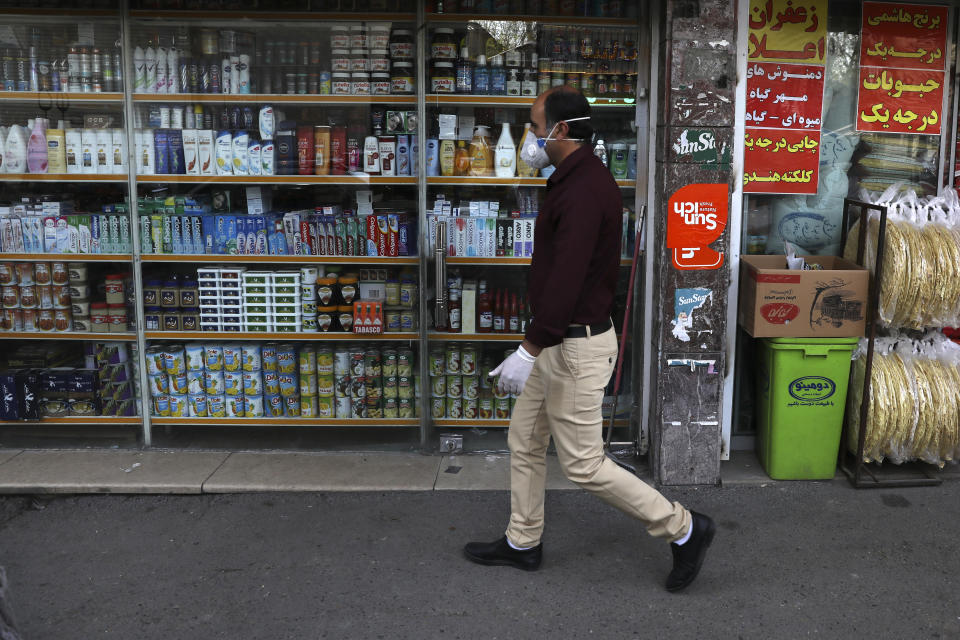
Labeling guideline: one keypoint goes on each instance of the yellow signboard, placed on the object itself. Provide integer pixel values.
(788, 31)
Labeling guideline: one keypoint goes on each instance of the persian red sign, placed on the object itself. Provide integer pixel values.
(780, 161)
(696, 217)
(902, 68)
(784, 96)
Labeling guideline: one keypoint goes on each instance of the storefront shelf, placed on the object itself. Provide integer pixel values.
(216, 259)
(224, 16)
(474, 337)
(105, 420)
(60, 13)
(478, 181)
(362, 179)
(504, 262)
(288, 422)
(465, 100)
(62, 177)
(67, 335)
(59, 97)
(286, 337)
(65, 257)
(272, 98)
(467, 423)
(553, 19)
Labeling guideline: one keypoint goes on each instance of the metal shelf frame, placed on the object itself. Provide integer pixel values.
(130, 20)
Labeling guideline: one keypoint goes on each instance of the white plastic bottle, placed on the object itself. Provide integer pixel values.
(226, 73)
(173, 68)
(160, 86)
(254, 161)
(150, 56)
(104, 150)
(3, 145)
(88, 151)
(206, 152)
(267, 157)
(224, 159)
(37, 148)
(56, 150)
(119, 150)
(15, 154)
(240, 142)
(74, 151)
(191, 153)
(140, 70)
(268, 123)
(505, 156)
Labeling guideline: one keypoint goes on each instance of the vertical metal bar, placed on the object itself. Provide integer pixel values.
(948, 146)
(422, 133)
(136, 262)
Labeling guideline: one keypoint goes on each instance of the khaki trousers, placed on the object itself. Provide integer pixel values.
(563, 398)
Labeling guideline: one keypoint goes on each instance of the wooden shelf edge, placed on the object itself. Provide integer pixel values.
(106, 420)
(475, 337)
(285, 179)
(559, 19)
(61, 13)
(68, 335)
(63, 177)
(282, 337)
(305, 422)
(12, 96)
(65, 257)
(273, 15)
(271, 98)
(213, 259)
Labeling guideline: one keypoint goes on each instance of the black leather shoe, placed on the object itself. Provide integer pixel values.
(501, 553)
(688, 558)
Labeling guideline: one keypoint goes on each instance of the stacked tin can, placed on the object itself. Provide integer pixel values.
(460, 386)
(167, 369)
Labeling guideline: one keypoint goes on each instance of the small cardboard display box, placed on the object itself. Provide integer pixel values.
(777, 302)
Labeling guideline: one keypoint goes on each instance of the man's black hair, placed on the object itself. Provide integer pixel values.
(564, 103)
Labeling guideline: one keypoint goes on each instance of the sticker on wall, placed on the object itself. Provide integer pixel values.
(696, 217)
(685, 321)
(701, 147)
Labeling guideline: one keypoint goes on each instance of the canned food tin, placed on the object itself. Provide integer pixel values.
(405, 408)
(390, 409)
(372, 363)
(406, 387)
(308, 384)
(194, 355)
(471, 387)
(213, 383)
(438, 363)
(341, 362)
(438, 386)
(155, 360)
(288, 384)
(358, 387)
(253, 383)
(268, 355)
(390, 387)
(8, 274)
(161, 406)
(178, 405)
(273, 405)
(252, 357)
(453, 359)
(232, 357)
(271, 383)
(174, 360)
(358, 408)
(292, 406)
(197, 405)
(455, 408)
(373, 390)
(322, 407)
(486, 407)
(217, 406)
(253, 406)
(342, 407)
(195, 384)
(356, 363)
(178, 384)
(341, 386)
(307, 360)
(286, 358)
(405, 362)
(501, 408)
(374, 409)
(213, 357)
(232, 383)
(470, 408)
(454, 386)
(324, 360)
(234, 406)
(389, 362)
(159, 384)
(326, 384)
(468, 361)
(438, 407)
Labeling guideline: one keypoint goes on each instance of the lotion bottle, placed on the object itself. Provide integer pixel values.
(37, 148)
(15, 154)
(3, 145)
(505, 157)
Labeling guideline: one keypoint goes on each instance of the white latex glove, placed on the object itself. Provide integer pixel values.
(514, 371)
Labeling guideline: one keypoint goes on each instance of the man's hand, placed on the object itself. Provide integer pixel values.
(514, 371)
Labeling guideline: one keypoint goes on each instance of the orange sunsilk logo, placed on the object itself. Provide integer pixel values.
(696, 217)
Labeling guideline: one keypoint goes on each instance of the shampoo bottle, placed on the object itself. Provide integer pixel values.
(224, 160)
(74, 150)
(119, 148)
(240, 142)
(505, 157)
(15, 154)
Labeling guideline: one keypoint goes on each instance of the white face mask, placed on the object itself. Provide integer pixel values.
(534, 150)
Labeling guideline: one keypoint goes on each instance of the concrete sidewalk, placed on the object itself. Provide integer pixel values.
(39, 471)
(791, 560)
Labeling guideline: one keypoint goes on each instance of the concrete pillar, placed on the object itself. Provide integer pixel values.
(697, 79)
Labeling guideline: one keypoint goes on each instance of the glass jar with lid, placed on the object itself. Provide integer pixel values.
(401, 45)
(444, 45)
(443, 78)
(401, 78)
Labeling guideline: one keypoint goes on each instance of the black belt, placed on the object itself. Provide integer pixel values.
(581, 331)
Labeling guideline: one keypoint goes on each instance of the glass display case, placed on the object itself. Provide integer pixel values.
(294, 187)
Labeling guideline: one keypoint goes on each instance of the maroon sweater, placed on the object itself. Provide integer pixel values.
(576, 251)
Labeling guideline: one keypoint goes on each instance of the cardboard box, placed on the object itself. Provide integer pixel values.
(776, 302)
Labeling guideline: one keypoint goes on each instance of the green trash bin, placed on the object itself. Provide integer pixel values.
(801, 396)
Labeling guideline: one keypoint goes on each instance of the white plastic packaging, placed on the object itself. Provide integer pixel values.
(191, 152)
(74, 150)
(15, 153)
(206, 152)
(240, 142)
(224, 159)
(88, 151)
(505, 156)
(118, 142)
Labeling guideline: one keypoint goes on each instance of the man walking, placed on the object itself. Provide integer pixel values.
(562, 367)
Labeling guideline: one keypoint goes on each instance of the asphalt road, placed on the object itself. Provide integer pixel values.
(789, 561)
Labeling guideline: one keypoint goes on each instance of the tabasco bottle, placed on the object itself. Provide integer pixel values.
(514, 323)
(453, 310)
(498, 321)
(524, 315)
(484, 309)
